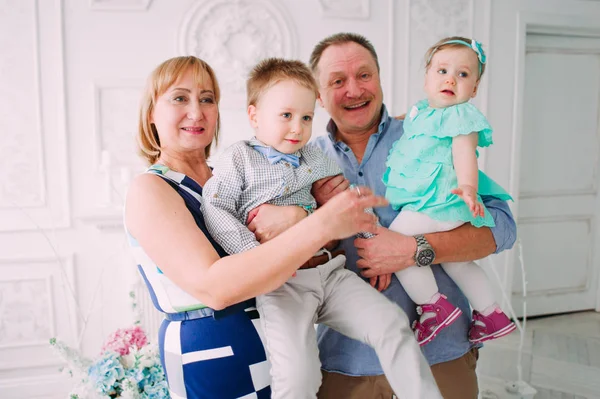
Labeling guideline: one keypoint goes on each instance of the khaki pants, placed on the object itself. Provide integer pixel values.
(456, 379)
(338, 298)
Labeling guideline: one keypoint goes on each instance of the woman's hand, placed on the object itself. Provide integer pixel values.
(268, 221)
(344, 214)
(325, 189)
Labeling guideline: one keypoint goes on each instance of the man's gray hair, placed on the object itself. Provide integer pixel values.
(340, 38)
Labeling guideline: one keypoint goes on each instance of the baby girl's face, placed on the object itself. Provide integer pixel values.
(452, 77)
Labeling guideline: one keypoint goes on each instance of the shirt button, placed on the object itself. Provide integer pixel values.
(215, 195)
(309, 171)
(360, 174)
(346, 149)
(287, 164)
(287, 189)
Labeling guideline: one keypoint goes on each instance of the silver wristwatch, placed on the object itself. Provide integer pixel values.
(425, 255)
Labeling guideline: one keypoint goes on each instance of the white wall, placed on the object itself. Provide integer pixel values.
(70, 78)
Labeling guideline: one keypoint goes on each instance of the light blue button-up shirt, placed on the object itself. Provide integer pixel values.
(344, 355)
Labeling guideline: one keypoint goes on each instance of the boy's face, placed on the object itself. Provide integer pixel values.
(283, 116)
(452, 77)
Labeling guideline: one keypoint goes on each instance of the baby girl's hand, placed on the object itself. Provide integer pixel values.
(469, 195)
(381, 282)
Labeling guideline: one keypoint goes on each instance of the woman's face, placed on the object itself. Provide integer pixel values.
(185, 115)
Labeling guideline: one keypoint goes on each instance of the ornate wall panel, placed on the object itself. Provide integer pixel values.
(236, 34)
(430, 21)
(120, 5)
(345, 8)
(24, 312)
(37, 302)
(116, 111)
(33, 182)
(21, 158)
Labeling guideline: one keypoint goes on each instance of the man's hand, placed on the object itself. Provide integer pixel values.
(323, 190)
(387, 252)
(267, 221)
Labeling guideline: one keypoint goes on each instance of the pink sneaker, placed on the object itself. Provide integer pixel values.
(434, 318)
(496, 325)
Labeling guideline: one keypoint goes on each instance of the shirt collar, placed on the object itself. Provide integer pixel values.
(253, 142)
(332, 127)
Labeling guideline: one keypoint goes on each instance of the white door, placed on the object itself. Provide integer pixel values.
(559, 204)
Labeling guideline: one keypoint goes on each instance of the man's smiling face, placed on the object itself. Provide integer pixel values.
(349, 87)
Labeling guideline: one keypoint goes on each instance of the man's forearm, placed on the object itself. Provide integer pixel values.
(465, 243)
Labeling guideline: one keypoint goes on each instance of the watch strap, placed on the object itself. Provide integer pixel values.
(421, 241)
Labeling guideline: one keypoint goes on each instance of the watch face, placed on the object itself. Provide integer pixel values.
(425, 257)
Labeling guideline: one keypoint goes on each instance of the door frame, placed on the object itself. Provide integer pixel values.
(534, 22)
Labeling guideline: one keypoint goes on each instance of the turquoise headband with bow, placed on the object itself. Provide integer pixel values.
(474, 45)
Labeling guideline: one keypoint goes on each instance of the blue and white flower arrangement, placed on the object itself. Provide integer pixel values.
(128, 367)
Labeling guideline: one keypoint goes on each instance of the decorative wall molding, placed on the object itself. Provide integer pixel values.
(33, 194)
(434, 19)
(35, 301)
(558, 193)
(25, 312)
(355, 9)
(236, 34)
(588, 225)
(430, 21)
(108, 219)
(388, 88)
(116, 107)
(28, 320)
(120, 5)
(115, 127)
(49, 385)
(21, 154)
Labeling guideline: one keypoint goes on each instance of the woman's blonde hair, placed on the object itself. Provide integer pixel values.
(163, 77)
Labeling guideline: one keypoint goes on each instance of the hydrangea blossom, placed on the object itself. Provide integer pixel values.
(123, 340)
(128, 367)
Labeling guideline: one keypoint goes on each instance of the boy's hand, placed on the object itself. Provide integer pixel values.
(469, 195)
(267, 221)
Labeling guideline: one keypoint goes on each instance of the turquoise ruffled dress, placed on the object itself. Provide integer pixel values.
(420, 173)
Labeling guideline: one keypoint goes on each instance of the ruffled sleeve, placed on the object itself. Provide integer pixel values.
(458, 119)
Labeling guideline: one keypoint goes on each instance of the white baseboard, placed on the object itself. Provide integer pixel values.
(55, 386)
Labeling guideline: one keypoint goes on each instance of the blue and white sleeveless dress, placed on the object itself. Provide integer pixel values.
(218, 356)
